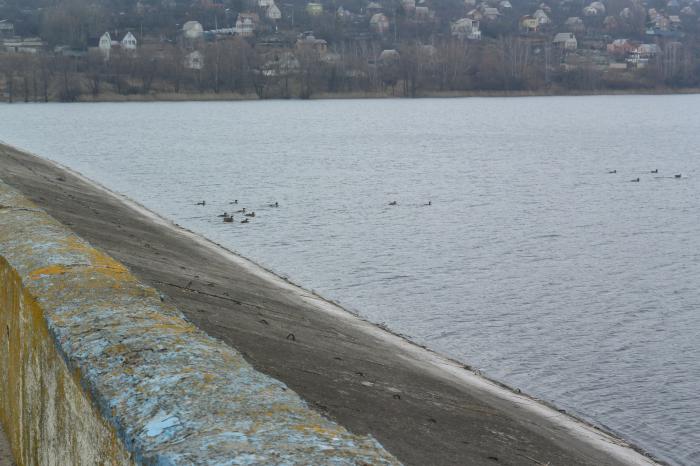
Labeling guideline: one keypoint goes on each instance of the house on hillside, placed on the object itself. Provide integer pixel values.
(505, 6)
(7, 29)
(565, 41)
(491, 14)
(105, 45)
(639, 57)
(620, 48)
(194, 60)
(246, 23)
(314, 8)
(529, 24)
(129, 42)
(466, 28)
(541, 17)
(29, 45)
(373, 8)
(575, 24)
(422, 13)
(273, 12)
(379, 23)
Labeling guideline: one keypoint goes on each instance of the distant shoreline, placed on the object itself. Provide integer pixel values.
(232, 97)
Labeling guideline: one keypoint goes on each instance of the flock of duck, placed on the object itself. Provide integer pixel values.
(656, 170)
(247, 214)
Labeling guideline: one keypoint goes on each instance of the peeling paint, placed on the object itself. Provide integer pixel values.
(99, 368)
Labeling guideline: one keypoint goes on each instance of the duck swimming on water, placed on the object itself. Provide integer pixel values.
(228, 219)
(225, 214)
(393, 203)
(245, 220)
(612, 171)
(636, 180)
(656, 170)
(202, 203)
(677, 176)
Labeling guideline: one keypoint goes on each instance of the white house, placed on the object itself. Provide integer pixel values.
(105, 45)
(379, 23)
(246, 23)
(7, 29)
(575, 24)
(129, 42)
(541, 17)
(566, 41)
(466, 28)
(273, 12)
(194, 60)
(265, 3)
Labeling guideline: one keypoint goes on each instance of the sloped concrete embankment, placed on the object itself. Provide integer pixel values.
(97, 370)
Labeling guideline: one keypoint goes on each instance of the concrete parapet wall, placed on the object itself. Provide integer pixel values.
(98, 370)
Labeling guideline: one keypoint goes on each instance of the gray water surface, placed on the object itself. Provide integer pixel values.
(533, 263)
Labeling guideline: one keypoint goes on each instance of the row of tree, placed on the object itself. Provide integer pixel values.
(234, 66)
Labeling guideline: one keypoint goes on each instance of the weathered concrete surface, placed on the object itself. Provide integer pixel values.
(6, 457)
(100, 371)
(422, 408)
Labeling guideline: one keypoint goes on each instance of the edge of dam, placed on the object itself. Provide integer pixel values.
(527, 426)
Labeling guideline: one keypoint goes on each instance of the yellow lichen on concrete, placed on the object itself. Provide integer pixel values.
(99, 370)
(47, 416)
(50, 270)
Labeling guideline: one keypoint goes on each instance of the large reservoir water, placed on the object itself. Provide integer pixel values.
(533, 263)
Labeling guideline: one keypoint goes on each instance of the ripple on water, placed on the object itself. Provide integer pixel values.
(532, 263)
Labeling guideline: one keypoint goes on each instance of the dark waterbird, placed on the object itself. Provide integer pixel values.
(276, 204)
(636, 180)
(429, 203)
(612, 171)
(202, 203)
(678, 176)
(242, 211)
(228, 219)
(252, 214)
(656, 170)
(245, 220)
(393, 203)
(225, 214)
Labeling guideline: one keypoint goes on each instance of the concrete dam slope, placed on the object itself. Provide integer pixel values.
(98, 370)
(122, 376)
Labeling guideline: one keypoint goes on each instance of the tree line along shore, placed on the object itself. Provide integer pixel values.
(93, 50)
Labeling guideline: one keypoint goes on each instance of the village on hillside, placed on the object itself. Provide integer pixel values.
(90, 49)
